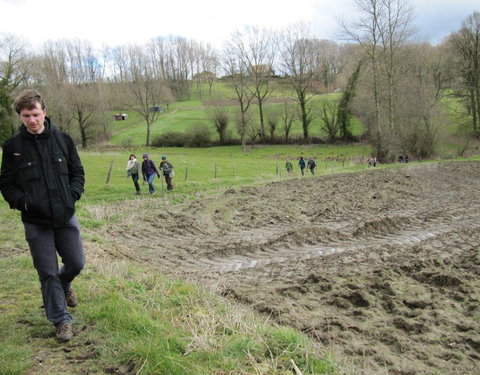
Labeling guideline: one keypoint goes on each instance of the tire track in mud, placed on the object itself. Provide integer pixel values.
(405, 236)
(330, 238)
(382, 265)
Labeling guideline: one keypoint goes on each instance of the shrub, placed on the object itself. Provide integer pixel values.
(127, 143)
(199, 136)
(219, 118)
(171, 139)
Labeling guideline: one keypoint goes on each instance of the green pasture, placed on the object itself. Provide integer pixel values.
(181, 116)
(197, 171)
(212, 169)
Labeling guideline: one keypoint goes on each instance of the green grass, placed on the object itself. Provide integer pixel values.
(129, 318)
(212, 169)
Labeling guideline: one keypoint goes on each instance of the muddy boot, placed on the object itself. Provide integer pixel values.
(64, 331)
(71, 297)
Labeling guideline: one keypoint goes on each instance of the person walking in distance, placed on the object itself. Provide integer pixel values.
(311, 165)
(133, 169)
(302, 165)
(149, 170)
(42, 176)
(289, 166)
(167, 169)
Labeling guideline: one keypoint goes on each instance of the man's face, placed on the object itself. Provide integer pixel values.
(34, 119)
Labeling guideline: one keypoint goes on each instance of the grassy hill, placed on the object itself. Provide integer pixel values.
(181, 116)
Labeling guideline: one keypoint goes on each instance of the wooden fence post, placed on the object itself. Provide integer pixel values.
(109, 172)
(163, 189)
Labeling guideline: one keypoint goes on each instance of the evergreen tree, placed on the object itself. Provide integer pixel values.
(6, 114)
(345, 106)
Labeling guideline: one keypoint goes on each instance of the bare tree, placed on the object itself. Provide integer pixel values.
(299, 61)
(332, 61)
(418, 127)
(205, 68)
(84, 98)
(172, 62)
(51, 71)
(272, 116)
(381, 30)
(236, 69)
(255, 46)
(396, 29)
(330, 120)
(287, 115)
(147, 92)
(210, 64)
(365, 31)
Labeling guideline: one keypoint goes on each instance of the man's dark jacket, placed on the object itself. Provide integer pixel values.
(37, 177)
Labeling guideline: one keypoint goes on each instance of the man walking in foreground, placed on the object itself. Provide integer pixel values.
(42, 176)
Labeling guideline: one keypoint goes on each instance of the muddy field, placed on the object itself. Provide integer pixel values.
(382, 267)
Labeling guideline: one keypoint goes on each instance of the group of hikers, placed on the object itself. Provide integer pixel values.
(310, 164)
(372, 160)
(149, 170)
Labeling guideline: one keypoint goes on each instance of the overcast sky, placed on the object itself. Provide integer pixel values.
(116, 22)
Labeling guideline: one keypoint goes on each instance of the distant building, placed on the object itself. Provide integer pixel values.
(204, 76)
(263, 69)
(120, 117)
(155, 108)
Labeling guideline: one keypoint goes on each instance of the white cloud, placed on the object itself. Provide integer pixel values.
(115, 22)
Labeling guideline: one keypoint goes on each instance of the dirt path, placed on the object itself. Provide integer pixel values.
(381, 266)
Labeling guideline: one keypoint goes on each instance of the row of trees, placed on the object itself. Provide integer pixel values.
(403, 82)
(392, 84)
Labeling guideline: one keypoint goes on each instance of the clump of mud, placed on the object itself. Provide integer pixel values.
(380, 266)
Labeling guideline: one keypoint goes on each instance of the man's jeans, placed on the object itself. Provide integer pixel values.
(45, 242)
(150, 179)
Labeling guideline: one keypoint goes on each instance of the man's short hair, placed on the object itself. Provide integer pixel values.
(28, 99)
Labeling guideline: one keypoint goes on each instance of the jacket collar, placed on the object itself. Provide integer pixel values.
(49, 125)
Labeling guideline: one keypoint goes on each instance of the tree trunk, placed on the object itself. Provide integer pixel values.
(303, 109)
(473, 104)
(83, 134)
(147, 142)
(262, 121)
